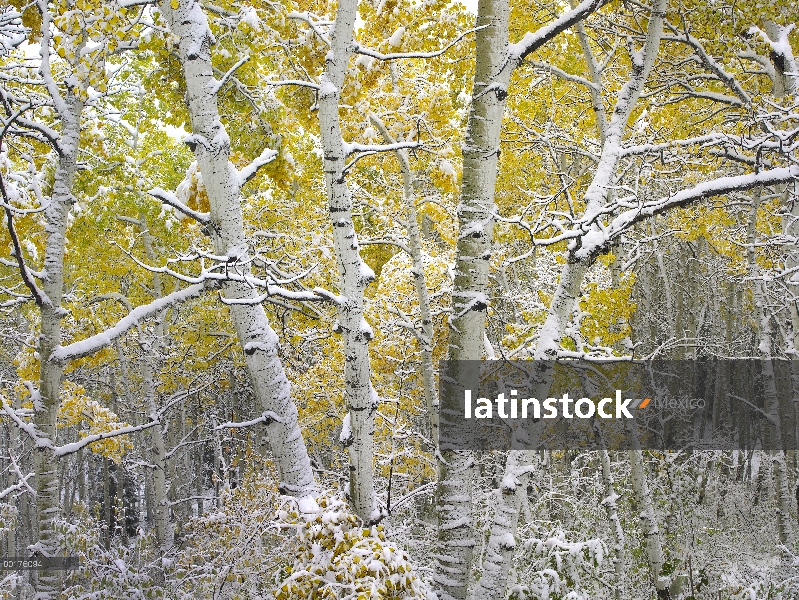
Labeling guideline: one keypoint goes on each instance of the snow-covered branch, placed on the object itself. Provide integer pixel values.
(248, 172)
(27, 275)
(99, 341)
(219, 84)
(595, 241)
(172, 200)
(564, 75)
(358, 49)
(532, 41)
(67, 449)
(299, 82)
(267, 417)
(708, 61)
(351, 148)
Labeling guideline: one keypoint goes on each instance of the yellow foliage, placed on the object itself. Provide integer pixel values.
(338, 558)
(609, 312)
(78, 410)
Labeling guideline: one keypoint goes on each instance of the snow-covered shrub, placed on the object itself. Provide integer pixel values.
(233, 550)
(339, 558)
(556, 567)
(120, 571)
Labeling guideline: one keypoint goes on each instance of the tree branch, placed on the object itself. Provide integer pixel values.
(90, 345)
(172, 200)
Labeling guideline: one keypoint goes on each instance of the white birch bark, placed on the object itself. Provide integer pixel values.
(355, 274)
(211, 146)
(48, 501)
(495, 568)
(771, 407)
(456, 536)
(611, 508)
(150, 348)
(422, 293)
(649, 525)
(785, 76)
(597, 102)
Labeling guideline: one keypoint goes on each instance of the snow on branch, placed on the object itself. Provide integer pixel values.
(299, 82)
(358, 49)
(96, 437)
(267, 417)
(315, 295)
(215, 87)
(99, 341)
(594, 241)
(710, 139)
(708, 61)
(312, 23)
(20, 485)
(352, 148)
(248, 172)
(40, 441)
(564, 75)
(533, 41)
(12, 33)
(228, 263)
(172, 200)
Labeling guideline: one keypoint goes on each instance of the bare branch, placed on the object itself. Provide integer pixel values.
(39, 296)
(358, 49)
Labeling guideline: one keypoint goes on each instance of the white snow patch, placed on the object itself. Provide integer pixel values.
(346, 430)
(249, 16)
(308, 505)
(396, 38)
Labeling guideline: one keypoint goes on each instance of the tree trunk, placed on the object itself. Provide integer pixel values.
(422, 293)
(493, 68)
(609, 502)
(48, 501)
(361, 399)
(771, 407)
(648, 519)
(211, 147)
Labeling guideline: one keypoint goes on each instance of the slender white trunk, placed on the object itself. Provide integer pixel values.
(161, 504)
(354, 273)
(609, 502)
(597, 102)
(647, 517)
(493, 69)
(771, 408)
(48, 501)
(211, 146)
(502, 538)
(422, 292)
(151, 346)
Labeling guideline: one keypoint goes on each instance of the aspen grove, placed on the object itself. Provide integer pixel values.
(239, 240)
